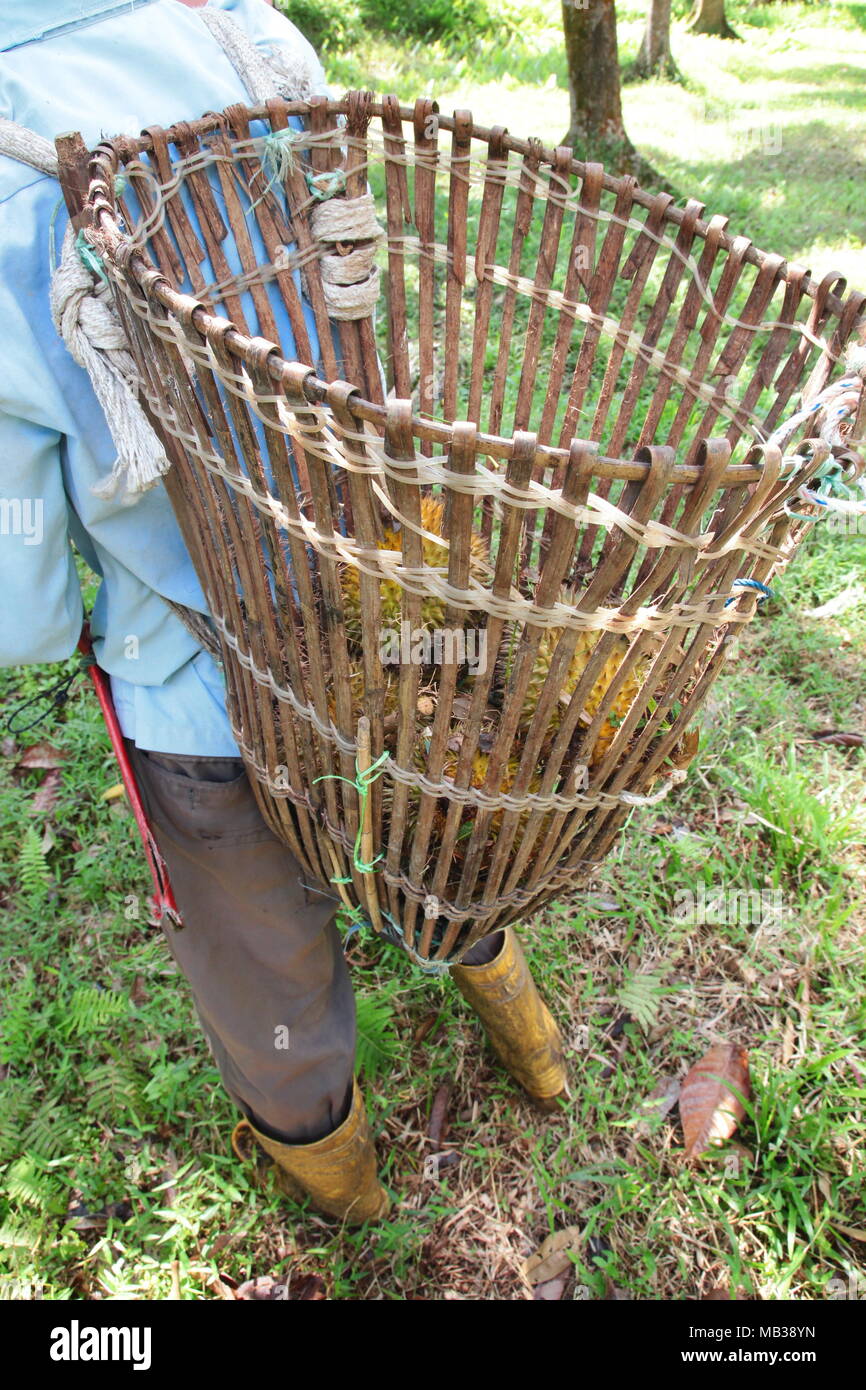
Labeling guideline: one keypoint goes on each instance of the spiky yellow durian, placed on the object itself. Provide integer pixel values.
(586, 644)
(434, 557)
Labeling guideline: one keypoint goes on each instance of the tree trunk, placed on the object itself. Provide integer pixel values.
(709, 18)
(596, 130)
(654, 57)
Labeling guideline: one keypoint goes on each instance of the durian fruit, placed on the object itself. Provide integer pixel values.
(434, 557)
(586, 644)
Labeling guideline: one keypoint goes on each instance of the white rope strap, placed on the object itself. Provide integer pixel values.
(280, 71)
(27, 147)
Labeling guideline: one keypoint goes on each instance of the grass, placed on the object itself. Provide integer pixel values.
(775, 124)
(116, 1178)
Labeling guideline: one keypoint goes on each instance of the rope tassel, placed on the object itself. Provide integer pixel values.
(86, 321)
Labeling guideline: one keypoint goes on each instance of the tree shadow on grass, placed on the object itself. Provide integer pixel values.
(797, 184)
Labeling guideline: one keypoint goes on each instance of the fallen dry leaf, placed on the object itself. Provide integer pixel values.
(112, 793)
(852, 1232)
(42, 755)
(46, 794)
(551, 1259)
(840, 738)
(551, 1290)
(710, 1100)
(262, 1289)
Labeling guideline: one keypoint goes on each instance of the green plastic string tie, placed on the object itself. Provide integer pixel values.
(52, 236)
(326, 184)
(362, 784)
(89, 258)
(278, 160)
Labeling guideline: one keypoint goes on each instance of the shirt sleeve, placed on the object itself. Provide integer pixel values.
(42, 609)
(42, 606)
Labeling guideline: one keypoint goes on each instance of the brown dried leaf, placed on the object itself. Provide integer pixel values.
(262, 1289)
(46, 794)
(852, 1232)
(424, 1028)
(551, 1259)
(42, 755)
(710, 1104)
(840, 738)
(550, 1291)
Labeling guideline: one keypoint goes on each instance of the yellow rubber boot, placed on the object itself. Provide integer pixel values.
(518, 1024)
(337, 1173)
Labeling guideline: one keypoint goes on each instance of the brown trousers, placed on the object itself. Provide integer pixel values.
(259, 947)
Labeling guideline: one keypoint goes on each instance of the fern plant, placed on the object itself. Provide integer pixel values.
(34, 875)
(377, 1038)
(641, 995)
(92, 1010)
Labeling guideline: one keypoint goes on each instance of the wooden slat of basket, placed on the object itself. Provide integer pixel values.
(518, 473)
(460, 505)
(523, 214)
(426, 130)
(636, 267)
(767, 365)
(711, 326)
(739, 341)
(270, 220)
(485, 254)
(580, 475)
(405, 495)
(693, 301)
(554, 567)
(558, 190)
(267, 324)
(262, 628)
(332, 636)
(458, 203)
(368, 532)
(658, 316)
(601, 289)
(360, 332)
(577, 276)
(191, 249)
(299, 200)
(297, 623)
(399, 214)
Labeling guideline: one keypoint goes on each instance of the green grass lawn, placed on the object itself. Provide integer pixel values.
(116, 1176)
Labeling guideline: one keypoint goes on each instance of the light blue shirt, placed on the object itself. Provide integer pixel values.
(103, 68)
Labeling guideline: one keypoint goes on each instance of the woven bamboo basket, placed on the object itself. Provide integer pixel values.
(528, 411)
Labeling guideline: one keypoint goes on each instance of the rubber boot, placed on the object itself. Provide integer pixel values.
(337, 1173)
(518, 1024)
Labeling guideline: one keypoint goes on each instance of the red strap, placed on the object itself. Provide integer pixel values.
(162, 903)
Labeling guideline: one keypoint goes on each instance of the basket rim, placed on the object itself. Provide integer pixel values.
(100, 217)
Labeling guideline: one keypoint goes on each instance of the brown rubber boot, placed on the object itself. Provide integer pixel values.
(518, 1024)
(337, 1173)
